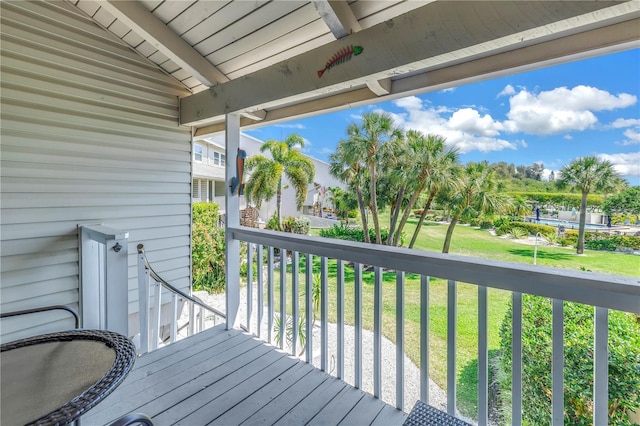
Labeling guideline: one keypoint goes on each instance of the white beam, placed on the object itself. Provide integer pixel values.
(338, 16)
(153, 30)
(380, 87)
(421, 40)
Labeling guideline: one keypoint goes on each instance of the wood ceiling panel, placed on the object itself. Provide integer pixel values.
(194, 15)
(257, 39)
(229, 24)
(390, 12)
(88, 7)
(302, 48)
(103, 17)
(169, 10)
(119, 28)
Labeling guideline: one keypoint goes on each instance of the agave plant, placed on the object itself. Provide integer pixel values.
(518, 233)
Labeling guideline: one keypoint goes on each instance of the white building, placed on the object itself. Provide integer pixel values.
(208, 177)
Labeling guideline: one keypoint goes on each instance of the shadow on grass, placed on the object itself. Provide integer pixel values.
(467, 387)
(526, 252)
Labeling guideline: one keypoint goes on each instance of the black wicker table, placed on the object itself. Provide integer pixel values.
(55, 378)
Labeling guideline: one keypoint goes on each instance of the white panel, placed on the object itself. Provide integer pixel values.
(89, 135)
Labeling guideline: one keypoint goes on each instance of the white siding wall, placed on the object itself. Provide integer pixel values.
(89, 135)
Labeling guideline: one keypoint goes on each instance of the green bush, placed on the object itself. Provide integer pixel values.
(342, 232)
(207, 249)
(624, 363)
(518, 233)
(486, 224)
(601, 241)
(534, 228)
(273, 223)
(296, 225)
(603, 245)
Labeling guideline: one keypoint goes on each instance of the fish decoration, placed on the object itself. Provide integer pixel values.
(236, 181)
(341, 56)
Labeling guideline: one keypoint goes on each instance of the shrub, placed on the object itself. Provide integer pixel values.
(534, 228)
(207, 249)
(273, 223)
(486, 224)
(518, 233)
(301, 225)
(624, 363)
(342, 232)
(501, 221)
(503, 229)
(603, 245)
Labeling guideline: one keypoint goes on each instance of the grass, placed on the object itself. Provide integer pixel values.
(466, 241)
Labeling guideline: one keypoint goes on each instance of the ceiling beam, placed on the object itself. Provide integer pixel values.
(152, 29)
(610, 39)
(424, 39)
(338, 16)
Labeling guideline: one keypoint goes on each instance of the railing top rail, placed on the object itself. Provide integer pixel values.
(171, 288)
(597, 289)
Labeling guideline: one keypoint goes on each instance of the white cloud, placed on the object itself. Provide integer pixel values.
(449, 90)
(568, 137)
(409, 103)
(625, 122)
(469, 120)
(633, 137)
(357, 117)
(561, 109)
(507, 91)
(627, 164)
(291, 126)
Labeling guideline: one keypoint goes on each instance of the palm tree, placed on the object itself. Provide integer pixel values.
(346, 165)
(477, 193)
(267, 173)
(430, 161)
(587, 174)
(442, 177)
(370, 138)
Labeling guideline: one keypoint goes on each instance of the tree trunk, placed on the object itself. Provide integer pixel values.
(447, 239)
(583, 220)
(374, 202)
(392, 237)
(422, 217)
(406, 214)
(278, 203)
(363, 215)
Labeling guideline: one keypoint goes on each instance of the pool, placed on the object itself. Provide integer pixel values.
(566, 224)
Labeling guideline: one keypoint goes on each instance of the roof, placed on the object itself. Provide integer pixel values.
(274, 60)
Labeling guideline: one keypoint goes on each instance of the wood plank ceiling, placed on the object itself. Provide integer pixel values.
(262, 58)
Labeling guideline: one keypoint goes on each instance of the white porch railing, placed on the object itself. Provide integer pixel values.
(151, 288)
(602, 291)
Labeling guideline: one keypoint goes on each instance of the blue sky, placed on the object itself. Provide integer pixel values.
(551, 115)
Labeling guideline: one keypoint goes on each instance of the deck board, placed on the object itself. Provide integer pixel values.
(228, 377)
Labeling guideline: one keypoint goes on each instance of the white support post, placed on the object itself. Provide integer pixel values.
(104, 287)
(144, 303)
(232, 219)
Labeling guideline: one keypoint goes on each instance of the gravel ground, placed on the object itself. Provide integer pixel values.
(437, 397)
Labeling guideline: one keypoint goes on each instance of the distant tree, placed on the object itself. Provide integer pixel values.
(344, 202)
(552, 176)
(267, 173)
(476, 193)
(627, 201)
(370, 138)
(587, 174)
(347, 165)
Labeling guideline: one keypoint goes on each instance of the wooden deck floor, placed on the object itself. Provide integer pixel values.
(231, 378)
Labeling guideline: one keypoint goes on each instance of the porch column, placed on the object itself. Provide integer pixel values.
(232, 219)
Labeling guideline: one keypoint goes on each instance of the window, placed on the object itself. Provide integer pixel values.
(212, 157)
(216, 158)
(195, 188)
(222, 159)
(197, 152)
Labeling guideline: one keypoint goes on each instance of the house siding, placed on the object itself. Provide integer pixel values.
(90, 135)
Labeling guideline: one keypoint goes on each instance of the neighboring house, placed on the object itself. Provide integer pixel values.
(208, 177)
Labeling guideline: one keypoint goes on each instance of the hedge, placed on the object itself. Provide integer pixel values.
(624, 363)
(352, 234)
(505, 227)
(207, 249)
(560, 199)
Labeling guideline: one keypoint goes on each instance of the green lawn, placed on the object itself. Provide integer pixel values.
(466, 241)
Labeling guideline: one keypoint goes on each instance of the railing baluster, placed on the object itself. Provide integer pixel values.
(270, 311)
(400, 340)
(294, 302)
(377, 333)
(452, 302)
(260, 289)
(357, 278)
(202, 318)
(340, 317)
(308, 306)
(192, 319)
(156, 316)
(144, 303)
(283, 297)
(483, 358)
(557, 364)
(324, 314)
(424, 338)
(601, 367)
(249, 285)
(516, 360)
(174, 317)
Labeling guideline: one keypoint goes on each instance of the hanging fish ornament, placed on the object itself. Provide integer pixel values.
(341, 56)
